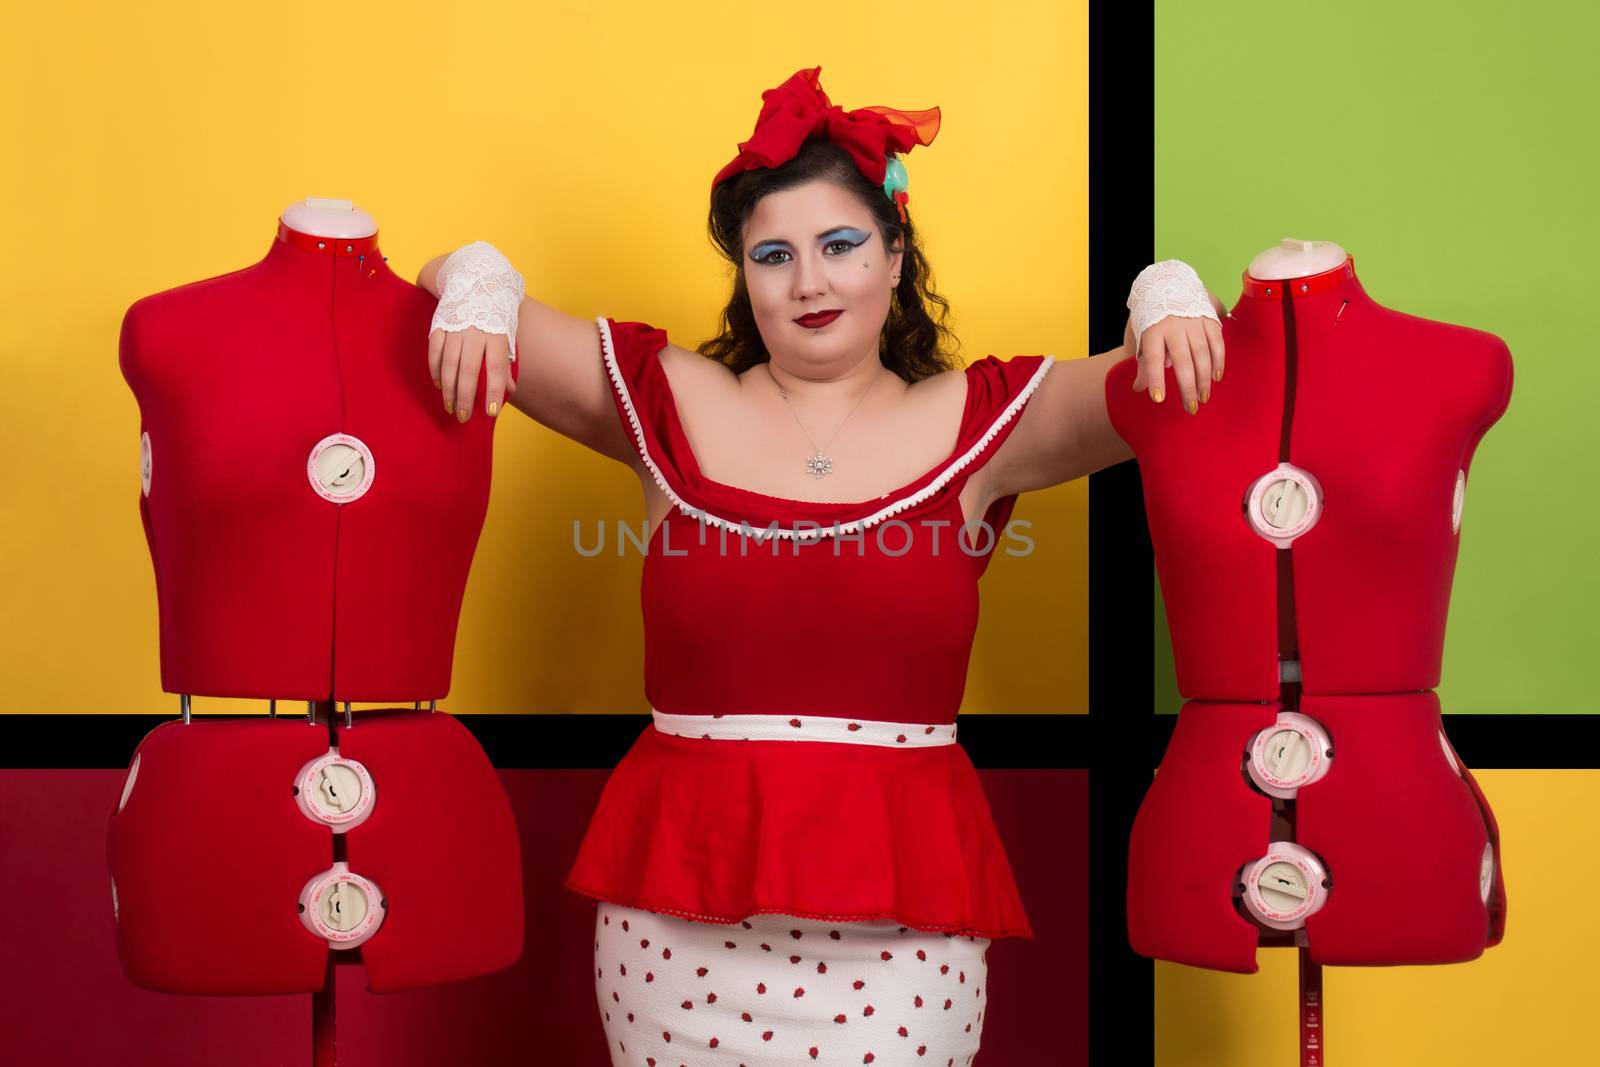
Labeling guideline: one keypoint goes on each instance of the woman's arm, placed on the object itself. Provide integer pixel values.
(561, 377)
(1064, 432)
(427, 277)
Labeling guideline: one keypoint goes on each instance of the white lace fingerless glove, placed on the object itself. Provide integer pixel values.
(1170, 287)
(479, 287)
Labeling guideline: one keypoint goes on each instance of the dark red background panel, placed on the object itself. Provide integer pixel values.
(64, 1000)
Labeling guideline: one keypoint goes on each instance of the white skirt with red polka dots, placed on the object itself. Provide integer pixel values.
(780, 990)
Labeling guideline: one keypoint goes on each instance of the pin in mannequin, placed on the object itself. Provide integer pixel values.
(1307, 582)
(311, 514)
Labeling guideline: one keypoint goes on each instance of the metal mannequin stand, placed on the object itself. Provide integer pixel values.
(1311, 1051)
(324, 1044)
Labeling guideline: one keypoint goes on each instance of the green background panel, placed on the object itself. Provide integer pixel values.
(1450, 149)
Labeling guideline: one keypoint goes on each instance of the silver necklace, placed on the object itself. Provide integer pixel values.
(818, 464)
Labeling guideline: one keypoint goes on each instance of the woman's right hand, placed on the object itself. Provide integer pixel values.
(475, 324)
(455, 359)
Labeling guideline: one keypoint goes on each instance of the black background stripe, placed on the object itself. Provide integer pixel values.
(1118, 738)
(1126, 736)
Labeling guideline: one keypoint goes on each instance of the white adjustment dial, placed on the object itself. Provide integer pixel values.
(1449, 753)
(1283, 504)
(127, 786)
(1284, 886)
(341, 468)
(1292, 753)
(335, 791)
(341, 907)
(1457, 501)
(145, 462)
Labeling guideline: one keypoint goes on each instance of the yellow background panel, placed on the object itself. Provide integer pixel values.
(1526, 1000)
(158, 143)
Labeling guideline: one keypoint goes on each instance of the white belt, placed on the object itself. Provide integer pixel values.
(804, 728)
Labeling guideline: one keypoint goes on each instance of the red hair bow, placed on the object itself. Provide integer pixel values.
(799, 109)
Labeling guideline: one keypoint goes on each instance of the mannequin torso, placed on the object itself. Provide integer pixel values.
(1385, 410)
(277, 577)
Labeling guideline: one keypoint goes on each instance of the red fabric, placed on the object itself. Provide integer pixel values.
(209, 856)
(1199, 824)
(442, 845)
(694, 573)
(721, 830)
(1401, 833)
(211, 852)
(799, 109)
(725, 829)
(1360, 599)
(258, 578)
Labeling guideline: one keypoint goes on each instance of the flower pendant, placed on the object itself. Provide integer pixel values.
(818, 465)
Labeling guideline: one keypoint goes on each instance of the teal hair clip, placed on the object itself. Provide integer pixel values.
(895, 184)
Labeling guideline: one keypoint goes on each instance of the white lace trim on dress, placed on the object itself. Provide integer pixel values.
(876, 517)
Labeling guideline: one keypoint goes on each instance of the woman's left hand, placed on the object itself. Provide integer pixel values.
(1190, 344)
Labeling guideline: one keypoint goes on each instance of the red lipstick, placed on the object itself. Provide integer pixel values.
(818, 318)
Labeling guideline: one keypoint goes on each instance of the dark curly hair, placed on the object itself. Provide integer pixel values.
(914, 344)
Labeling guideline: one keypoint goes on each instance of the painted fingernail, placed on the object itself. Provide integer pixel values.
(436, 383)
(462, 414)
(1156, 395)
(449, 405)
(1192, 407)
(1217, 377)
(494, 407)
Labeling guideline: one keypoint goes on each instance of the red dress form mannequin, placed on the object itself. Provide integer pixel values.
(1339, 618)
(311, 512)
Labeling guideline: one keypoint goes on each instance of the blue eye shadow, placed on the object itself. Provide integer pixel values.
(838, 233)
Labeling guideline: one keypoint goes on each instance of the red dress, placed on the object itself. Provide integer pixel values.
(870, 619)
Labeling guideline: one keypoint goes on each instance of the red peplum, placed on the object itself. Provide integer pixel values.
(868, 620)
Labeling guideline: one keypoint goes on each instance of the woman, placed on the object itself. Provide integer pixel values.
(795, 862)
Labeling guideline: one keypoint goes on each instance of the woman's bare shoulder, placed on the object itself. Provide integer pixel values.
(707, 395)
(954, 379)
(941, 393)
(695, 378)
(687, 361)
(936, 405)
